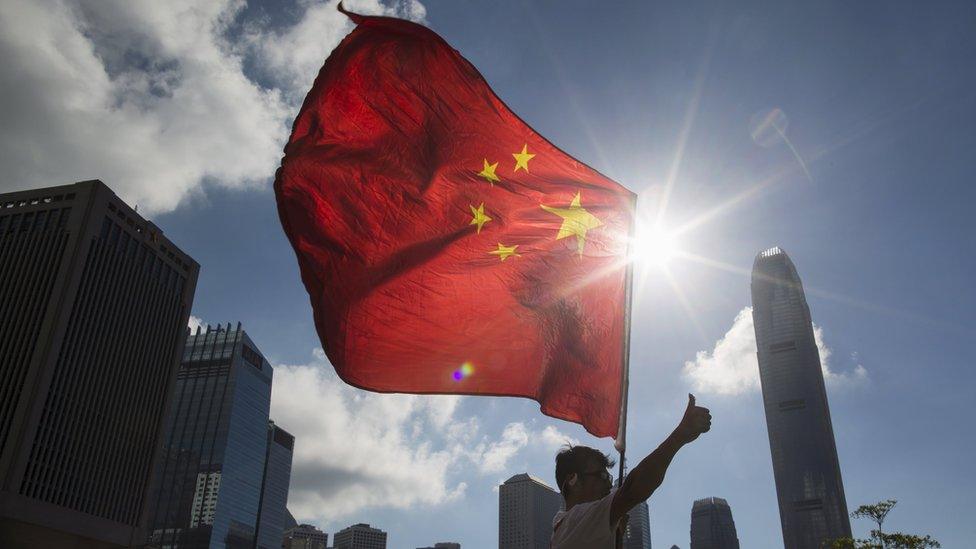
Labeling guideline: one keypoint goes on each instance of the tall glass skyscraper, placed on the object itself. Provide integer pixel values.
(712, 526)
(638, 534)
(812, 507)
(274, 494)
(94, 301)
(209, 493)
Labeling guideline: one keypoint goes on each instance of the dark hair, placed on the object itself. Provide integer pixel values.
(572, 459)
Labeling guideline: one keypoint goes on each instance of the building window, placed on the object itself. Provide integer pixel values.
(787, 405)
(784, 346)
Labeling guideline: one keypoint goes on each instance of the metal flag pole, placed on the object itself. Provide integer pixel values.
(621, 441)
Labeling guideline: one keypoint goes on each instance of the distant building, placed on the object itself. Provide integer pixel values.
(305, 536)
(712, 526)
(94, 302)
(360, 536)
(213, 483)
(274, 494)
(638, 533)
(443, 545)
(809, 489)
(290, 521)
(526, 507)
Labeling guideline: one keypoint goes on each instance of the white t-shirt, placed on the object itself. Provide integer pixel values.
(585, 526)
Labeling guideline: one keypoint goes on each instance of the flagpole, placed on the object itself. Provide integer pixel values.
(621, 441)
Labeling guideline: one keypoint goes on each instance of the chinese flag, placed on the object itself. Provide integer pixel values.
(445, 245)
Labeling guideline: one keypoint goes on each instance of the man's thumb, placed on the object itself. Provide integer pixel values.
(691, 400)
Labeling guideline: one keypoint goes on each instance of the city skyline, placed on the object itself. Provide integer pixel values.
(184, 112)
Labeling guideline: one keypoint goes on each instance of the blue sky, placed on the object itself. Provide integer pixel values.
(185, 111)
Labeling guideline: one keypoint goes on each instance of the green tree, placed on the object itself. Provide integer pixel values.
(880, 540)
(877, 513)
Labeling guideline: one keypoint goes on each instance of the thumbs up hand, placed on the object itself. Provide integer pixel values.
(697, 420)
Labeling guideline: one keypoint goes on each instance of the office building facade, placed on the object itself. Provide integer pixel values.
(638, 533)
(274, 493)
(94, 302)
(212, 469)
(305, 536)
(360, 536)
(712, 526)
(809, 488)
(526, 507)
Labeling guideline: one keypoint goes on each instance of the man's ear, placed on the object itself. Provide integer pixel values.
(572, 479)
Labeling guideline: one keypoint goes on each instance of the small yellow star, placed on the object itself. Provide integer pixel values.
(489, 172)
(504, 251)
(479, 218)
(522, 158)
(576, 221)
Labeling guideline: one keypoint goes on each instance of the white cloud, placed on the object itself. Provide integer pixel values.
(857, 376)
(294, 56)
(355, 449)
(553, 440)
(152, 97)
(495, 456)
(731, 367)
(195, 323)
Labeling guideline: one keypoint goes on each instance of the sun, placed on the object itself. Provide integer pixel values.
(654, 246)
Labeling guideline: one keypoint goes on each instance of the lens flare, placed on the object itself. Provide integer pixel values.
(464, 371)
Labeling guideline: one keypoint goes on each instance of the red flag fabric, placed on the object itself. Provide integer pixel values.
(445, 245)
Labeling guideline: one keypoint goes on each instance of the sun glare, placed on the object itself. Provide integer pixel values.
(654, 246)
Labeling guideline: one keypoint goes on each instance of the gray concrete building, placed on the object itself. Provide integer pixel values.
(94, 302)
(712, 526)
(809, 489)
(526, 507)
(360, 536)
(305, 536)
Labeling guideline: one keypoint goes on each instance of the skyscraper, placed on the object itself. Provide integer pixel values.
(274, 494)
(209, 492)
(94, 302)
(360, 536)
(526, 507)
(812, 507)
(712, 526)
(638, 534)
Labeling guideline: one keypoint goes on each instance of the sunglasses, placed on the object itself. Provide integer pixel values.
(605, 475)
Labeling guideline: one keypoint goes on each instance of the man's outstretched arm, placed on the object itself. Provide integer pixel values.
(649, 473)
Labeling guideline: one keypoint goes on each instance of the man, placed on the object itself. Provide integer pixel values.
(594, 511)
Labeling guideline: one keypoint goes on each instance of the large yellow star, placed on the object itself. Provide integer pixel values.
(522, 158)
(479, 218)
(576, 221)
(488, 172)
(504, 251)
